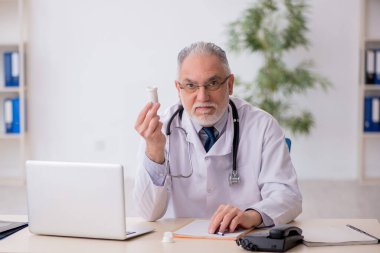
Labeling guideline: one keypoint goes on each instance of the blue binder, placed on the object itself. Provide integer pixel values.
(16, 115)
(11, 69)
(8, 115)
(371, 121)
(12, 115)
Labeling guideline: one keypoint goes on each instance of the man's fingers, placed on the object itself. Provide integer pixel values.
(142, 128)
(235, 223)
(150, 109)
(152, 127)
(215, 224)
(155, 108)
(228, 216)
(142, 115)
(216, 219)
(220, 208)
(218, 222)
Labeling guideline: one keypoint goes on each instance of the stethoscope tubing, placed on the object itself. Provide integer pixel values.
(234, 176)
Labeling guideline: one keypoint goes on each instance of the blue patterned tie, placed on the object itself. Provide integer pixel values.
(210, 137)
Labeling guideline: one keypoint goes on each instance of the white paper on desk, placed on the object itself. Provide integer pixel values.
(334, 234)
(199, 229)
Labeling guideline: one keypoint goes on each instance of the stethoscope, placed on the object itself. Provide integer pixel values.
(233, 178)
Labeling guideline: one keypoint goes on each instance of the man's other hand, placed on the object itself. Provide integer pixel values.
(227, 218)
(149, 126)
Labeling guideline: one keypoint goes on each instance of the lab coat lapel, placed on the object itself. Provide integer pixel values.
(192, 135)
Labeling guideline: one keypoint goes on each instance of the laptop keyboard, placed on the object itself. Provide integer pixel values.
(4, 224)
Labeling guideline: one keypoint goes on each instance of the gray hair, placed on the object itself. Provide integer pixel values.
(203, 48)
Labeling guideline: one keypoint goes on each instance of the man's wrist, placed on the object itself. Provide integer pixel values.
(154, 156)
(256, 217)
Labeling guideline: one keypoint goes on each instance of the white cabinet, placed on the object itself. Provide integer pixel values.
(12, 42)
(369, 92)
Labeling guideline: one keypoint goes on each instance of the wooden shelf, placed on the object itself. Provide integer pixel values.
(10, 136)
(9, 89)
(8, 46)
(372, 40)
(369, 39)
(371, 135)
(371, 87)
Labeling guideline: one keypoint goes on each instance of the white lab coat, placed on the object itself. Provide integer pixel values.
(268, 181)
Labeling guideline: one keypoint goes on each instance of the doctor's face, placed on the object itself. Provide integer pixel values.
(204, 87)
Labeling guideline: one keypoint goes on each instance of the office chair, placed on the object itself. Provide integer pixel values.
(289, 143)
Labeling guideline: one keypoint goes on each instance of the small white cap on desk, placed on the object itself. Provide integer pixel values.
(168, 237)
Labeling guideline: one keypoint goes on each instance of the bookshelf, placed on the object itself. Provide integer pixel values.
(369, 142)
(12, 39)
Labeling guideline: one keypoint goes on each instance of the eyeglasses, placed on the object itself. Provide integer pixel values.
(212, 85)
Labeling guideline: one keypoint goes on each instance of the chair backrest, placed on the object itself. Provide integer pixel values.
(289, 143)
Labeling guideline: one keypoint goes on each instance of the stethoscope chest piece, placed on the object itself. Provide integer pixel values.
(234, 178)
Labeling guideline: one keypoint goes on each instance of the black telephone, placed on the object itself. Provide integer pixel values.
(279, 239)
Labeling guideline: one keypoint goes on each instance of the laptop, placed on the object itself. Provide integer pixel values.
(78, 200)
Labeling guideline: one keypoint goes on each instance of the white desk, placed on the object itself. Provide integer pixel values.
(24, 241)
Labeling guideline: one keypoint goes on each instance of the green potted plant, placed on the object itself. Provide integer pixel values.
(272, 28)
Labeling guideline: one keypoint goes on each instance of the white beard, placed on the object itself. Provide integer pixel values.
(207, 120)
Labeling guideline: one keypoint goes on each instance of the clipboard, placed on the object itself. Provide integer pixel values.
(198, 229)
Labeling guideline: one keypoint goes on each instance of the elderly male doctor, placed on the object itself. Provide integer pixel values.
(191, 177)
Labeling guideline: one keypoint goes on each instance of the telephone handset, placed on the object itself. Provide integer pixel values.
(282, 231)
(279, 239)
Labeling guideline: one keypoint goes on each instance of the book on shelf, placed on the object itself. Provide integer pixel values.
(11, 69)
(370, 66)
(12, 115)
(377, 67)
(371, 114)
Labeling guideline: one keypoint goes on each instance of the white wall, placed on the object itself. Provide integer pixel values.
(90, 61)
(330, 152)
